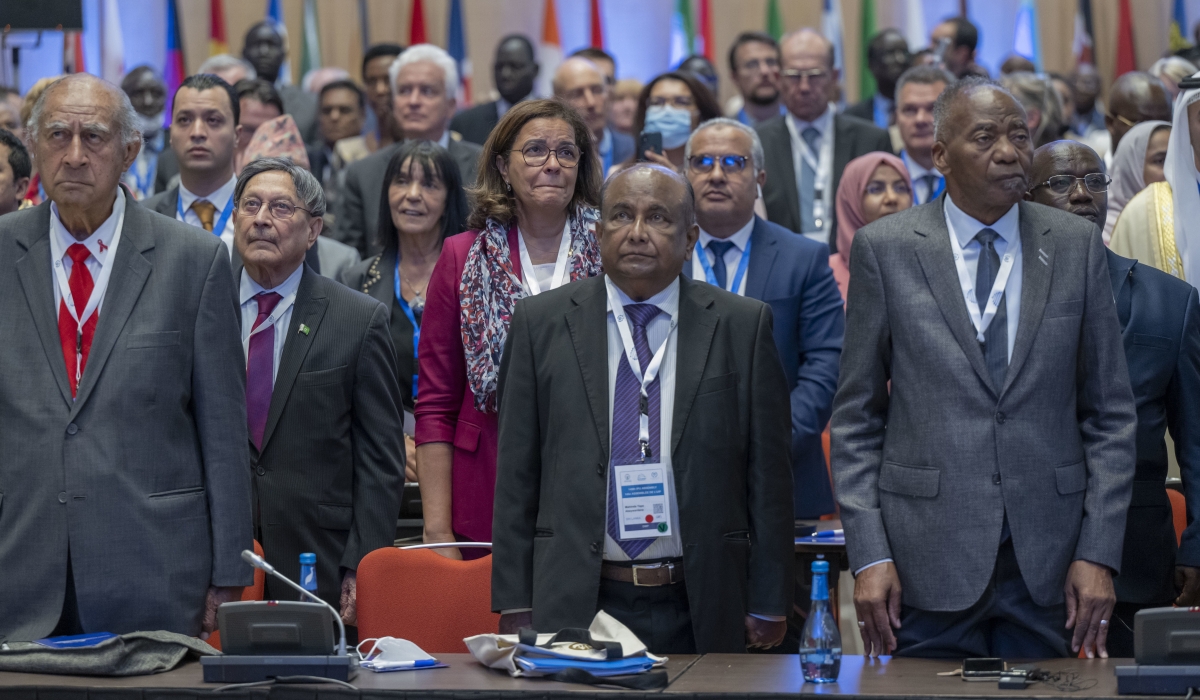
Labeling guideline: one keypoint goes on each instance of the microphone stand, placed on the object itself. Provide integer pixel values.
(259, 563)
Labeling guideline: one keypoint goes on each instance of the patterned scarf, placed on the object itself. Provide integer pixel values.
(489, 292)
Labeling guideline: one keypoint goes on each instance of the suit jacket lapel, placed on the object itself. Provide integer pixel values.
(169, 205)
(843, 146)
(762, 259)
(37, 279)
(786, 169)
(309, 310)
(588, 324)
(1037, 269)
(697, 323)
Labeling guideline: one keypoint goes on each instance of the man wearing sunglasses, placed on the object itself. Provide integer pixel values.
(746, 255)
(1160, 324)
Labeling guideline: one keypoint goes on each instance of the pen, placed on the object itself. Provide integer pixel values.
(418, 663)
(829, 533)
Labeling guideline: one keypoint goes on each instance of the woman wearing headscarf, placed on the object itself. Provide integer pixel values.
(1137, 163)
(1160, 226)
(533, 229)
(872, 186)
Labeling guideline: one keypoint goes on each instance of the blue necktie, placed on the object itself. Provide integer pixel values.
(995, 346)
(719, 249)
(626, 397)
(931, 183)
(808, 179)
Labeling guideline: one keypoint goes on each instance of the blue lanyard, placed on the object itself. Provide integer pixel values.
(737, 277)
(145, 183)
(938, 188)
(219, 227)
(607, 158)
(411, 319)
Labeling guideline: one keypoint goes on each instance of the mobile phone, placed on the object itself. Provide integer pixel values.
(649, 141)
(982, 669)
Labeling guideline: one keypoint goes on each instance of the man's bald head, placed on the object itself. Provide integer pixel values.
(582, 84)
(647, 170)
(809, 76)
(1135, 97)
(1073, 160)
(808, 42)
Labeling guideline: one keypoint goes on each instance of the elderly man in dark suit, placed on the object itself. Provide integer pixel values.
(663, 498)
(126, 486)
(513, 70)
(322, 400)
(984, 423)
(1160, 323)
(743, 254)
(808, 148)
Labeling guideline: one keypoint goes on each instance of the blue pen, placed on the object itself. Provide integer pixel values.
(397, 665)
(829, 534)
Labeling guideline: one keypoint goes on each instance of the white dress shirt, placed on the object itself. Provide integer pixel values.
(219, 199)
(733, 257)
(102, 244)
(287, 289)
(965, 228)
(922, 192)
(657, 331)
(824, 155)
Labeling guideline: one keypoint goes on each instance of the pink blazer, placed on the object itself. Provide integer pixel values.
(445, 409)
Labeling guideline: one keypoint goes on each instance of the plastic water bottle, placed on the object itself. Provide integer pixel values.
(308, 572)
(820, 643)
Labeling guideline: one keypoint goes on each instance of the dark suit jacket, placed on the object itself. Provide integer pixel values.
(1160, 321)
(852, 138)
(476, 123)
(303, 108)
(623, 147)
(729, 452)
(791, 274)
(864, 110)
(168, 165)
(142, 477)
(376, 276)
(329, 476)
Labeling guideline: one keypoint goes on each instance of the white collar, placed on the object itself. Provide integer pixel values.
(100, 242)
(965, 227)
(739, 239)
(250, 289)
(219, 198)
(915, 169)
(667, 299)
(822, 123)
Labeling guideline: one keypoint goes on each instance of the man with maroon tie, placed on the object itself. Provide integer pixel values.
(123, 477)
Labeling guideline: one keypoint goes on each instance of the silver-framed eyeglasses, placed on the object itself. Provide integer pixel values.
(279, 208)
(1062, 184)
(813, 75)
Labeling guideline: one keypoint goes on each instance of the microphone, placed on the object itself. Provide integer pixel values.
(259, 563)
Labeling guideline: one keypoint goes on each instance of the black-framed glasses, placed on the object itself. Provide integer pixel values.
(680, 101)
(704, 163)
(536, 154)
(1062, 184)
(279, 209)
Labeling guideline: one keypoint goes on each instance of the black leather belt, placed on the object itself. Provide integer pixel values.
(662, 573)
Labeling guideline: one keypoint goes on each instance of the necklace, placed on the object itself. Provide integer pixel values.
(418, 301)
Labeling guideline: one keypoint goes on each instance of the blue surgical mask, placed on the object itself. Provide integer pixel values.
(673, 123)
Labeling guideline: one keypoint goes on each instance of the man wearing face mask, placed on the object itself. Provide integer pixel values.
(266, 49)
(149, 97)
(514, 70)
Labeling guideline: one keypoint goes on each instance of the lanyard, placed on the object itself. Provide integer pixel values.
(635, 364)
(981, 323)
(412, 318)
(820, 163)
(560, 264)
(937, 189)
(276, 314)
(219, 227)
(737, 277)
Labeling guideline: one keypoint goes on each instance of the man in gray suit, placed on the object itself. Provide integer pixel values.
(424, 80)
(984, 496)
(125, 475)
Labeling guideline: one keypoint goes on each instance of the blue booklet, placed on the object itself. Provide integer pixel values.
(76, 641)
(616, 667)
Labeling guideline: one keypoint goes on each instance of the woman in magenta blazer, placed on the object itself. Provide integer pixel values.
(533, 228)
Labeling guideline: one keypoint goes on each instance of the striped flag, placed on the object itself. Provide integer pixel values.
(682, 32)
(364, 24)
(707, 46)
(914, 25)
(1082, 46)
(550, 52)
(1178, 27)
(597, 25)
(275, 15)
(310, 56)
(73, 52)
(112, 44)
(416, 24)
(1026, 41)
(831, 27)
(218, 41)
(1126, 59)
(774, 20)
(174, 71)
(866, 80)
(456, 46)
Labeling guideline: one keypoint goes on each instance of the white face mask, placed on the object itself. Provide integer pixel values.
(390, 653)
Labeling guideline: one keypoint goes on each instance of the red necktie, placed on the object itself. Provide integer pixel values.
(75, 342)
(260, 369)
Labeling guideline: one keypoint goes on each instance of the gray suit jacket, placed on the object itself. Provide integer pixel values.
(144, 477)
(926, 474)
(358, 206)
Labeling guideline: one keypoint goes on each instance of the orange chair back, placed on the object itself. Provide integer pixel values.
(1178, 513)
(423, 597)
(252, 592)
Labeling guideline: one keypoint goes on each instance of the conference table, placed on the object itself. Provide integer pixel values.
(705, 677)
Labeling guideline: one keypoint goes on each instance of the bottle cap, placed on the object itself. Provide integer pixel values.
(310, 558)
(820, 567)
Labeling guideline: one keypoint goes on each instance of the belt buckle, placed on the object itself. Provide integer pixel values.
(649, 567)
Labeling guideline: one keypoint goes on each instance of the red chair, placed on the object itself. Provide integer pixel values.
(252, 592)
(421, 596)
(1178, 513)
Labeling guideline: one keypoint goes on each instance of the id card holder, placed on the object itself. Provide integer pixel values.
(643, 510)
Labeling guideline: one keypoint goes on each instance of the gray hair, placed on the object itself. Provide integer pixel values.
(224, 61)
(125, 118)
(433, 54)
(1036, 92)
(924, 75)
(1174, 67)
(308, 189)
(960, 87)
(756, 148)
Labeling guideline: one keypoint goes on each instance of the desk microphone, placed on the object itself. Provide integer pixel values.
(259, 563)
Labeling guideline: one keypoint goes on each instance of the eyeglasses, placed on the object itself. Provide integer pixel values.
(536, 154)
(704, 163)
(279, 208)
(681, 101)
(1062, 184)
(755, 64)
(1124, 120)
(814, 75)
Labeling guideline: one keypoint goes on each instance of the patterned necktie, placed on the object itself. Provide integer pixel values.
(77, 343)
(719, 249)
(626, 398)
(995, 346)
(260, 369)
(808, 181)
(206, 210)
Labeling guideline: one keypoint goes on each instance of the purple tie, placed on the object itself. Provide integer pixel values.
(260, 366)
(625, 446)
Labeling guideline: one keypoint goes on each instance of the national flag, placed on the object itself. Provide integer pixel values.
(416, 24)
(914, 25)
(1126, 59)
(456, 46)
(364, 24)
(73, 52)
(597, 25)
(1178, 25)
(1082, 45)
(831, 27)
(173, 71)
(707, 47)
(112, 44)
(682, 32)
(275, 16)
(550, 52)
(774, 20)
(218, 41)
(866, 80)
(1026, 41)
(310, 56)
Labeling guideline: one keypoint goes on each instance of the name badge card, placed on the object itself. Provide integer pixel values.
(642, 507)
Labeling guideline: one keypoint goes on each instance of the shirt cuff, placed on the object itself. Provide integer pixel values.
(514, 611)
(874, 563)
(769, 618)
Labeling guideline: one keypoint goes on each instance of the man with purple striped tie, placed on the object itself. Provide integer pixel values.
(644, 453)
